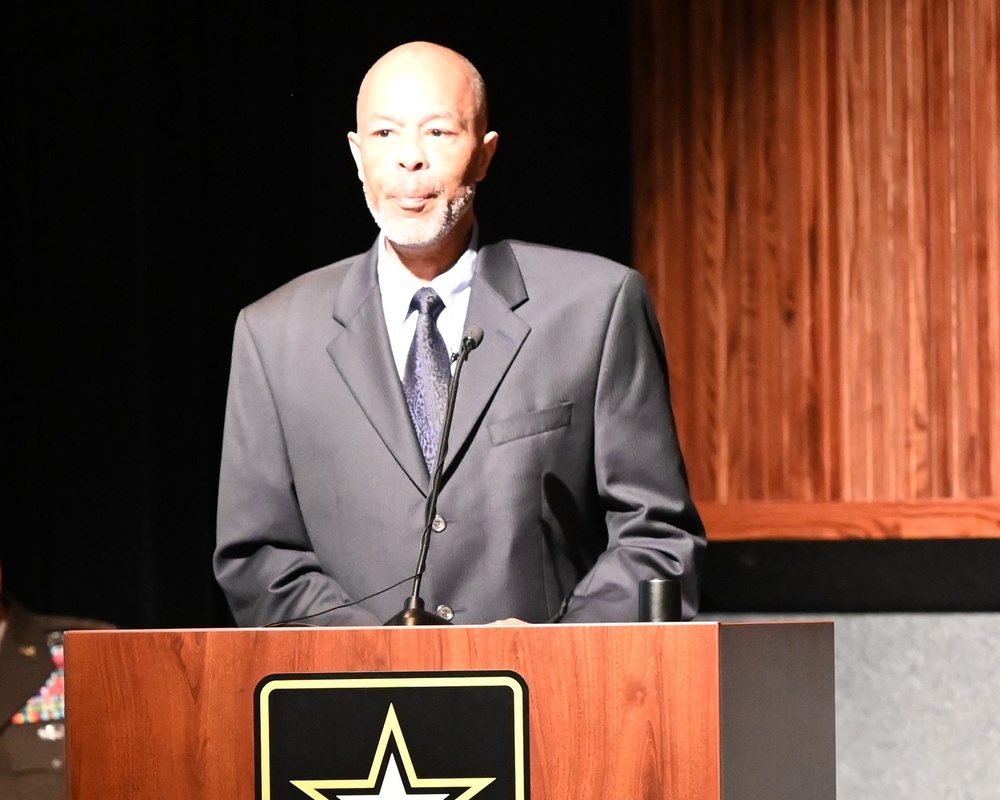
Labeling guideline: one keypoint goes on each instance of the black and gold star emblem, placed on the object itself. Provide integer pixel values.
(341, 737)
(385, 781)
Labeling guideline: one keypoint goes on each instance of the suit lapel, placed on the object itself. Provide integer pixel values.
(25, 663)
(497, 289)
(363, 355)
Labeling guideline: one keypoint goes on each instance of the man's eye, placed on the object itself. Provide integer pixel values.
(383, 134)
(437, 132)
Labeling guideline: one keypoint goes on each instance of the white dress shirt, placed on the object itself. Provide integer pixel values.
(398, 285)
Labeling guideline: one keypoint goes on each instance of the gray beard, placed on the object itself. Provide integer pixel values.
(426, 231)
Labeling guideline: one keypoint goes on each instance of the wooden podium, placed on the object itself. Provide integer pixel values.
(681, 711)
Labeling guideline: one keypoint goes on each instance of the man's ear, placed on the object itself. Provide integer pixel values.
(486, 152)
(355, 143)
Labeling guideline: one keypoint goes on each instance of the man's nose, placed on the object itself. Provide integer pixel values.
(411, 154)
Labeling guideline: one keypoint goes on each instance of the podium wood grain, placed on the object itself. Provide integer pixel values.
(614, 710)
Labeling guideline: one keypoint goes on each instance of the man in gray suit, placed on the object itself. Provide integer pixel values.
(563, 486)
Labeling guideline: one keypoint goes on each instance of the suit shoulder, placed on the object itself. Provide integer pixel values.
(549, 254)
(316, 286)
(570, 270)
(567, 263)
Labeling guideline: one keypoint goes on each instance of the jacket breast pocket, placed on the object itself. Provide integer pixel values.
(531, 423)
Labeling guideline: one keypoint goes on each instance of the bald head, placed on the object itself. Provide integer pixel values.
(420, 62)
(421, 148)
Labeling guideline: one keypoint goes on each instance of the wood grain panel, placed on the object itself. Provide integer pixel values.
(818, 215)
(184, 703)
(922, 519)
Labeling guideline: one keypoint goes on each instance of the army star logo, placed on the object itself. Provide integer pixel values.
(393, 786)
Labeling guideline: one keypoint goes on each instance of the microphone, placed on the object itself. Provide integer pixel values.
(413, 612)
(472, 339)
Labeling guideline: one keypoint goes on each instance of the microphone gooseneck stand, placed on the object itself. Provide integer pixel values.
(414, 613)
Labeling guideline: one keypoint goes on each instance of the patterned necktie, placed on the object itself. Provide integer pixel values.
(427, 374)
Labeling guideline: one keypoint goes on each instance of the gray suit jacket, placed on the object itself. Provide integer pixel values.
(564, 483)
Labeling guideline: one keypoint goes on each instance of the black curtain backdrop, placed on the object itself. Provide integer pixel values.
(165, 164)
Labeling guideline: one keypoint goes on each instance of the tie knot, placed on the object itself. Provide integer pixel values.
(427, 301)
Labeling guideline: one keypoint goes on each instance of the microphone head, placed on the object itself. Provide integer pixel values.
(473, 337)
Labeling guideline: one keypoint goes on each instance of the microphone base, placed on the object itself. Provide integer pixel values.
(414, 614)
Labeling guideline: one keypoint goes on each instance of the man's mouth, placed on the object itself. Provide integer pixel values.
(412, 202)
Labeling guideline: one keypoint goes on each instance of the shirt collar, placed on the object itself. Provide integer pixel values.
(398, 285)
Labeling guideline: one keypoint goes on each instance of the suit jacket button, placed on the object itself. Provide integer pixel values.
(445, 612)
(438, 524)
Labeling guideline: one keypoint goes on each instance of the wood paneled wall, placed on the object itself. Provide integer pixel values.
(817, 187)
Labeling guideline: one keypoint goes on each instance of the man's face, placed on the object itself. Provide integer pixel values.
(418, 150)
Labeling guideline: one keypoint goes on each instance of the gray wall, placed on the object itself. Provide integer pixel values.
(918, 705)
